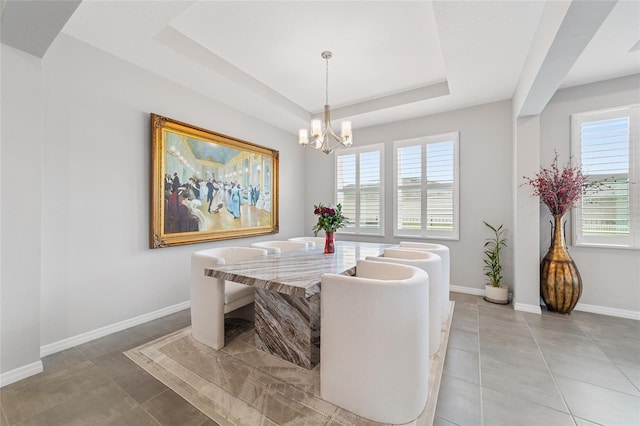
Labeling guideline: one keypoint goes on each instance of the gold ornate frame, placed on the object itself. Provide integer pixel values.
(242, 200)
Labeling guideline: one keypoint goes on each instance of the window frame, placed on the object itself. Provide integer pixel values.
(423, 232)
(632, 241)
(356, 229)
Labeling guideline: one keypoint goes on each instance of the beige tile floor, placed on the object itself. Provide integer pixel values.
(502, 368)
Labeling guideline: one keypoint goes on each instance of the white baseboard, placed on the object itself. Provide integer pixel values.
(471, 290)
(614, 312)
(467, 290)
(480, 292)
(536, 309)
(525, 307)
(70, 342)
(20, 373)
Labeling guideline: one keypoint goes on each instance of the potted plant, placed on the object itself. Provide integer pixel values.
(495, 291)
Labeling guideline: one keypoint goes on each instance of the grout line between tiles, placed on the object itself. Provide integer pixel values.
(600, 386)
(625, 375)
(479, 367)
(149, 414)
(595, 342)
(590, 421)
(4, 417)
(553, 378)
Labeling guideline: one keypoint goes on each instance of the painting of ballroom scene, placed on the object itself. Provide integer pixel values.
(206, 186)
(211, 187)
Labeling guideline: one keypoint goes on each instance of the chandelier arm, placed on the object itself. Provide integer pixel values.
(337, 138)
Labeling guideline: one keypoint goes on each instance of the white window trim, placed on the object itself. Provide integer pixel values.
(453, 235)
(357, 151)
(633, 240)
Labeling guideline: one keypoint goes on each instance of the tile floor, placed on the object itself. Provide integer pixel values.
(502, 368)
(513, 368)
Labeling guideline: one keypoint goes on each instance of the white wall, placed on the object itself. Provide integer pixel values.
(21, 188)
(97, 268)
(75, 170)
(526, 241)
(485, 180)
(610, 277)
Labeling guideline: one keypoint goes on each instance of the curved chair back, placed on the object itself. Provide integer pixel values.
(442, 251)
(276, 247)
(431, 263)
(224, 255)
(312, 241)
(212, 298)
(378, 315)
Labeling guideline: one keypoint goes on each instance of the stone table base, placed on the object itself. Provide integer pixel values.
(288, 326)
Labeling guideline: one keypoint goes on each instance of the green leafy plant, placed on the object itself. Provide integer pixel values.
(329, 219)
(492, 250)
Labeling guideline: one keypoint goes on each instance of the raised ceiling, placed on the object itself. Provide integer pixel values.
(392, 59)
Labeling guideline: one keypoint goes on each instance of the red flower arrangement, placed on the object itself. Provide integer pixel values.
(329, 219)
(561, 190)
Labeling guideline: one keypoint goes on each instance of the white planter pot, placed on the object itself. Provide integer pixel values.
(496, 294)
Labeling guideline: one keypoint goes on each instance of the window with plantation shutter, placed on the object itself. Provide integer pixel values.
(426, 187)
(359, 188)
(606, 145)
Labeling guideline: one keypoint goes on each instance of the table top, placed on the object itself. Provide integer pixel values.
(297, 272)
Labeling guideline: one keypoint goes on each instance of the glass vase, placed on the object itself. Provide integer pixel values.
(329, 243)
(560, 281)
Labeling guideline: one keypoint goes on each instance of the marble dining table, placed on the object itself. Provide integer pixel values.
(288, 291)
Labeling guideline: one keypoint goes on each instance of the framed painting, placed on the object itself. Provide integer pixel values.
(206, 186)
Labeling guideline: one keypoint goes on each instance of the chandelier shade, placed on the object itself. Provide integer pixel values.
(323, 138)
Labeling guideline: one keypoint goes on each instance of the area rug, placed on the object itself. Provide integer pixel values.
(240, 385)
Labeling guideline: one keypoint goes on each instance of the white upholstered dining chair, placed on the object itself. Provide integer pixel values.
(375, 341)
(442, 251)
(431, 263)
(212, 298)
(275, 247)
(314, 241)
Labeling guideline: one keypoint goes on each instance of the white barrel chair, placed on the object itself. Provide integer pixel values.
(212, 298)
(374, 350)
(276, 247)
(442, 251)
(431, 263)
(313, 241)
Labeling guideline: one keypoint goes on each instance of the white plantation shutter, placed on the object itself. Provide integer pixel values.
(440, 186)
(370, 213)
(426, 187)
(359, 188)
(346, 184)
(408, 187)
(606, 145)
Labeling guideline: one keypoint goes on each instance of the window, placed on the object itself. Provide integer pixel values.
(426, 187)
(606, 145)
(359, 188)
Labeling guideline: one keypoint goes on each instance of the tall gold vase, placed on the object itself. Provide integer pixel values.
(560, 282)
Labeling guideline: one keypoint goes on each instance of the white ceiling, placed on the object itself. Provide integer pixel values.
(392, 59)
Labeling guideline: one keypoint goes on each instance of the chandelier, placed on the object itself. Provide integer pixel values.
(323, 137)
